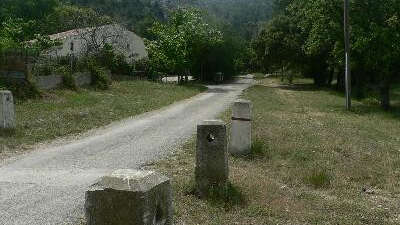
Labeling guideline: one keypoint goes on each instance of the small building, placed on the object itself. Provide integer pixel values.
(80, 42)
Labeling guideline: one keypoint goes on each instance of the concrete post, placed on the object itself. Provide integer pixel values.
(130, 197)
(7, 111)
(240, 141)
(211, 156)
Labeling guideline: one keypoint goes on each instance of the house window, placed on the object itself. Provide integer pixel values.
(128, 46)
(71, 46)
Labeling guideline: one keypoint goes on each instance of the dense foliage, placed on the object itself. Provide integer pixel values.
(188, 45)
(24, 20)
(307, 36)
(242, 16)
(136, 15)
(182, 42)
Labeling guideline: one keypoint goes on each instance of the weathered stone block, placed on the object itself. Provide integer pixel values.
(130, 197)
(7, 111)
(211, 156)
(240, 140)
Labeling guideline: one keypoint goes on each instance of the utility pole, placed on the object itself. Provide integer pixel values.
(347, 52)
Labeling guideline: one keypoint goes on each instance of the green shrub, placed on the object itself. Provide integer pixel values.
(113, 61)
(69, 81)
(100, 79)
(142, 65)
(105, 57)
(82, 64)
(154, 76)
(45, 69)
(120, 66)
(2, 86)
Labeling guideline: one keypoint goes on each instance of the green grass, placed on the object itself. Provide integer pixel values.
(226, 196)
(258, 149)
(320, 159)
(65, 112)
(258, 76)
(319, 178)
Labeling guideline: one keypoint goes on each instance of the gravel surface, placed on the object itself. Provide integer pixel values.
(47, 185)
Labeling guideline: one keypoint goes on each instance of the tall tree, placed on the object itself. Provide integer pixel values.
(181, 42)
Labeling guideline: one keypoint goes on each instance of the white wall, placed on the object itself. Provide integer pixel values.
(123, 41)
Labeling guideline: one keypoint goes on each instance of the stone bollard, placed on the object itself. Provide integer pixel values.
(240, 141)
(7, 112)
(211, 156)
(130, 197)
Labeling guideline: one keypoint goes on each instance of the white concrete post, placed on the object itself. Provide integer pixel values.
(211, 156)
(7, 111)
(240, 141)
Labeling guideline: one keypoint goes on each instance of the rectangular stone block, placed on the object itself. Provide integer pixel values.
(211, 156)
(7, 110)
(240, 139)
(130, 197)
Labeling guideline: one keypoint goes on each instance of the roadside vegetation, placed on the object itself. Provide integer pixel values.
(312, 162)
(185, 44)
(66, 112)
(306, 38)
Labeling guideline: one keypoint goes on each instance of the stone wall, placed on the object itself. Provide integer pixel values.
(55, 81)
(16, 77)
(49, 82)
(82, 79)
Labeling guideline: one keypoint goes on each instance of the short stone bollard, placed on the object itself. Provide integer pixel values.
(130, 197)
(7, 111)
(211, 156)
(240, 140)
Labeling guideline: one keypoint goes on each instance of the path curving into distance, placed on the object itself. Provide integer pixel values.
(47, 186)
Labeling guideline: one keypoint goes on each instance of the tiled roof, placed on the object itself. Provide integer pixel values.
(71, 33)
(68, 33)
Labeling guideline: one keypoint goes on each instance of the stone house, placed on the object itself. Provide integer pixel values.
(80, 42)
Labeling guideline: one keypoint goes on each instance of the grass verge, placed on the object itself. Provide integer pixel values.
(65, 112)
(259, 76)
(324, 165)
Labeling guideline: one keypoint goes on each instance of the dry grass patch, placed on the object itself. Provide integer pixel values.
(321, 164)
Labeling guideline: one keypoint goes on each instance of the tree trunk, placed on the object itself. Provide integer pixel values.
(340, 82)
(202, 72)
(385, 95)
(347, 54)
(187, 75)
(330, 78)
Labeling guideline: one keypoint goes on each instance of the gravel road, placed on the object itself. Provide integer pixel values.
(47, 185)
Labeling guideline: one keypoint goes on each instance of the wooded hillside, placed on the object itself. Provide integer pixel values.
(243, 16)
